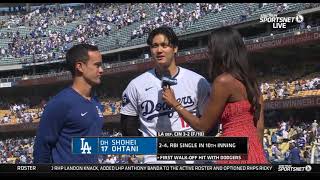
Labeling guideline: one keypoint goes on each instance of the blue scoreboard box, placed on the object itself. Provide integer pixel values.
(114, 145)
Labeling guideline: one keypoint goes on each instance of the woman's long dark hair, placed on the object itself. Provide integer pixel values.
(227, 53)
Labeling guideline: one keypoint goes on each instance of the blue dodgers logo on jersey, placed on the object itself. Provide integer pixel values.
(99, 112)
(125, 100)
(148, 107)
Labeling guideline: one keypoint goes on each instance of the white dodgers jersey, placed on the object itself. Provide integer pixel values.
(143, 98)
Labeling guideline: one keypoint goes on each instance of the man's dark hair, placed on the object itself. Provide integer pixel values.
(78, 53)
(166, 31)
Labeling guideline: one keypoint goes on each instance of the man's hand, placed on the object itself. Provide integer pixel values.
(169, 97)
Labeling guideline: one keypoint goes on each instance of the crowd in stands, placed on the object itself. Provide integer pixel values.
(311, 5)
(291, 142)
(12, 112)
(12, 10)
(291, 84)
(111, 104)
(20, 111)
(285, 89)
(118, 16)
(16, 150)
(40, 49)
(54, 29)
(174, 15)
(112, 107)
(40, 41)
(44, 17)
(21, 115)
(48, 41)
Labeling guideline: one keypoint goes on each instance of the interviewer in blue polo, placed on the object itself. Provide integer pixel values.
(73, 112)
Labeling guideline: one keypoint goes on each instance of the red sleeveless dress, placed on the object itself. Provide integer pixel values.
(237, 121)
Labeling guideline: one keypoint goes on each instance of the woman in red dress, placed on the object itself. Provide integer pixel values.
(235, 98)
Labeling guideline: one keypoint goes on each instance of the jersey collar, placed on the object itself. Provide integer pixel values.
(159, 77)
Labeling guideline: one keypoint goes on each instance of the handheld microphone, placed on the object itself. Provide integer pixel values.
(168, 81)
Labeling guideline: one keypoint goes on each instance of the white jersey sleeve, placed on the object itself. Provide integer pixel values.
(129, 104)
(204, 89)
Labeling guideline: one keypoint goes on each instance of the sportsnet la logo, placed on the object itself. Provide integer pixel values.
(280, 22)
(291, 168)
(85, 148)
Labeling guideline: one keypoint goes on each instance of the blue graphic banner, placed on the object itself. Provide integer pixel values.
(114, 145)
